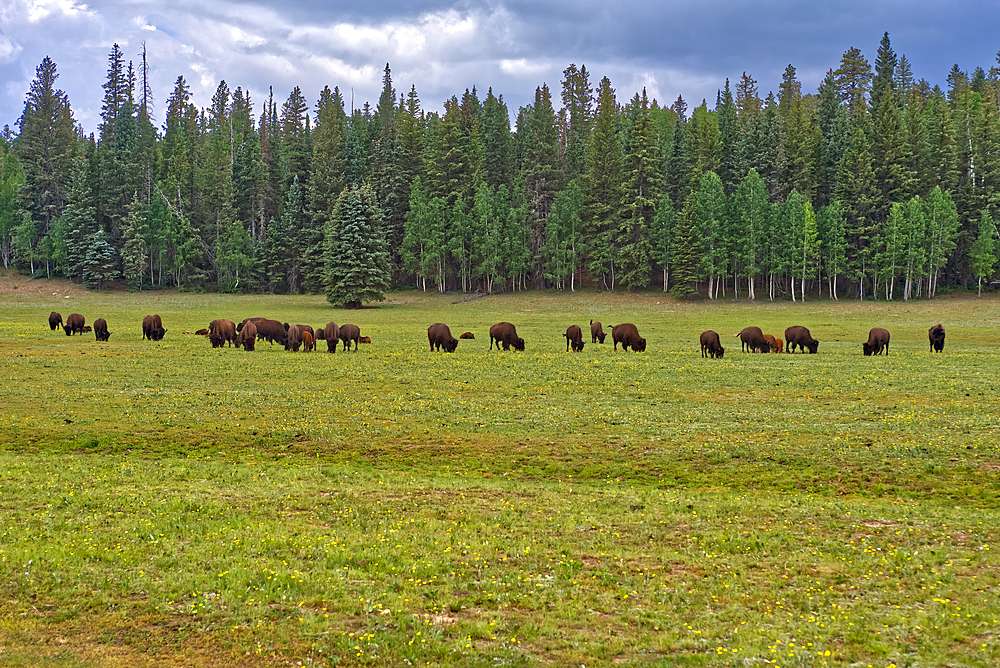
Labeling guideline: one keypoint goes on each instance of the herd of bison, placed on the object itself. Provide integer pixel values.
(293, 337)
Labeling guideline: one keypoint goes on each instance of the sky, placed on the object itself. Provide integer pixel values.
(443, 47)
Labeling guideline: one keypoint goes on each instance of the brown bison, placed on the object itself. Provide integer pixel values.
(101, 332)
(308, 342)
(935, 334)
(467, 335)
(247, 336)
(439, 336)
(201, 332)
(627, 334)
(271, 330)
(350, 333)
(574, 337)
(711, 346)
(152, 328)
(799, 336)
(293, 337)
(366, 339)
(74, 324)
(55, 320)
(596, 332)
(88, 329)
(505, 333)
(330, 334)
(878, 340)
(753, 340)
(222, 331)
(778, 345)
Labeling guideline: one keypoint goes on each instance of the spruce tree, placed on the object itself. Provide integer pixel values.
(134, 255)
(641, 197)
(684, 251)
(603, 186)
(101, 263)
(357, 260)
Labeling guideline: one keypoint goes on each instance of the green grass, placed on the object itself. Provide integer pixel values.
(169, 502)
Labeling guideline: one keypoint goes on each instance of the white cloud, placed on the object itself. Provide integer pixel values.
(38, 10)
(8, 50)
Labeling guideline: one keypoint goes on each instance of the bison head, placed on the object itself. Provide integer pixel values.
(600, 337)
(519, 344)
(867, 348)
(639, 346)
(578, 346)
(720, 352)
(813, 346)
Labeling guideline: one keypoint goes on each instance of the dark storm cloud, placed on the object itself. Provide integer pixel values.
(672, 49)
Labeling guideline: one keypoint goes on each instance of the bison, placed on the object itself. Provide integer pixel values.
(55, 320)
(711, 346)
(753, 340)
(778, 345)
(308, 342)
(88, 329)
(330, 334)
(878, 340)
(439, 336)
(350, 333)
(271, 330)
(574, 337)
(596, 332)
(366, 339)
(101, 332)
(152, 328)
(293, 337)
(467, 335)
(74, 324)
(935, 334)
(506, 334)
(221, 331)
(799, 336)
(247, 336)
(201, 332)
(628, 335)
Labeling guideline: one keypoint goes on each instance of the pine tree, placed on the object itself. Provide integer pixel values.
(641, 196)
(357, 260)
(563, 237)
(853, 79)
(134, 256)
(235, 259)
(603, 186)
(101, 263)
(684, 251)
(578, 103)
(77, 224)
(856, 194)
(325, 184)
(661, 236)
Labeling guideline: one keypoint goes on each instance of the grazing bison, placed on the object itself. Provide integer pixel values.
(271, 330)
(778, 345)
(596, 332)
(293, 337)
(711, 346)
(797, 335)
(221, 331)
(201, 332)
(74, 324)
(350, 333)
(247, 336)
(331, 334)
(101, 332)
(152, 328)
(467, 335)
(878, 339)
(574, 337)
(439, 336)
(55, 320)
(628, 335)
(506, 334)
(753, 340)
(308, 342)
(935, 334)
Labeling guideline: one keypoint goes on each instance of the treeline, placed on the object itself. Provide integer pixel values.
(876, 185)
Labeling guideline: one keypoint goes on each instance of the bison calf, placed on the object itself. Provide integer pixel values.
(467, 335)
(711, 346)
(574, 338)
(935, 334)
(878, 340)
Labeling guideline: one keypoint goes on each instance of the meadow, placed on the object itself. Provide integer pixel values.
(172, 504)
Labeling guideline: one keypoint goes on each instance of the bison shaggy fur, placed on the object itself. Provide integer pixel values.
(504, 333)
(439, 336)
(101, 332)
(711, 346)
(55, 320)
(627, 334)
(574, 338)
(596, 332)
(753, 340)
(936, 336)
(878, 340)
(74, 324)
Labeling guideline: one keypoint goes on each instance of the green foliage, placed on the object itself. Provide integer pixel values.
(983, 254)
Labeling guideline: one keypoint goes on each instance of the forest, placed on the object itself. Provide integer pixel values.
(875, 186)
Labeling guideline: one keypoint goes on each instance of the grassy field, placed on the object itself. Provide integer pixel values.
(170, 504)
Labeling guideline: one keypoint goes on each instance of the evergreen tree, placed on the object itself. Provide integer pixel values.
(77, 224)
(11, 183)
(831, 224)
(641, 196)
(325, 184)
(684, 251)
(749, 215)
(496, 142)
(983, 254)
(101, 263)
(661, 236)
(578, 103)
(357, 259)
(856, 193)
(603, 186)
(853, 79)
(708, 219)
(134, 256)
(563, 237)
(236, 260)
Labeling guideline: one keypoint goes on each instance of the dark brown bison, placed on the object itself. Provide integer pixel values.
(711, 346)
(222, 331)
(596, 332)
(506, 334)
(201, 332)
(302, 328)
(308, 342)
(101, 332)
(55, 320)
(467, 335)
(350, 333)
(271, 330)
(574, 338)
(74, 324)
(330, 334)
(627, 334)
(878, 340)
(152, 328)
(936, 335)
(753, 340)
(293, 337)
(797, 335)
(439, 336)
(247, 336)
